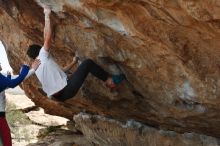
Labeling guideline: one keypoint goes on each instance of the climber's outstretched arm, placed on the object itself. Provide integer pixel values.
(34, 67)
(47, 28)
(69, 66)
(6, 82)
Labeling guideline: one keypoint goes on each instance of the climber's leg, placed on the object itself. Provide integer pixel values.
(78, 77)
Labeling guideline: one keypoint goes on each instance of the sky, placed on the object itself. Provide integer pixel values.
(4, 59)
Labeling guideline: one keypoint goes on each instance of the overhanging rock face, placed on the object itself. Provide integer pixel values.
(168, 50)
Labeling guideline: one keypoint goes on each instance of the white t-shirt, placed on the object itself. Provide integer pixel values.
(52, 78)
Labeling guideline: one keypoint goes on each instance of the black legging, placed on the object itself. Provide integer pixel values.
(78, 77)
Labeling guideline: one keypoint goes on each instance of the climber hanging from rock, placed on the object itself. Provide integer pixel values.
(54, 80)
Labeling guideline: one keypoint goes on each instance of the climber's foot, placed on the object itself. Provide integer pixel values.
(114, 80)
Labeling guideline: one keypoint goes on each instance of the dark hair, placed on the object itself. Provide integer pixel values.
(33, 51)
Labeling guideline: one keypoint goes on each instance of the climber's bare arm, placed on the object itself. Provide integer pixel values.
(69, 66)
(47, 28)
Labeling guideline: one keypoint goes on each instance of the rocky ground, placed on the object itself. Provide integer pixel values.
(32, 127)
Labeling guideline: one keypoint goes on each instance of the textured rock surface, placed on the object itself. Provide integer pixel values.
(168, 49)
(108, 132)
(62, 138)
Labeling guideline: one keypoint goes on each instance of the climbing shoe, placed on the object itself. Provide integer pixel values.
(115, 80)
